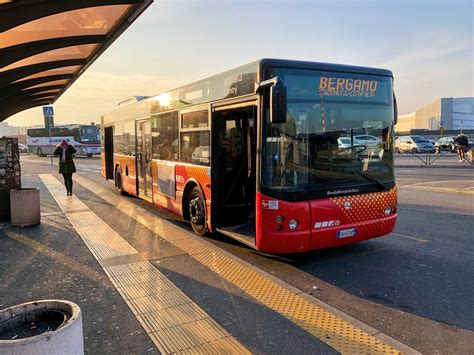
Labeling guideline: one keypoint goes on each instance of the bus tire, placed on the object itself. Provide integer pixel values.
(118, 182)
(197, 211)
(89, 155)
(39, 152)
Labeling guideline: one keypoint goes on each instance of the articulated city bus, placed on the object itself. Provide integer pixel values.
(266, 153)
(84, 138)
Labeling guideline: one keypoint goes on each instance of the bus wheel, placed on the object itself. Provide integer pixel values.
(39, 152)
(89, 155)
(197, 212)
(118, 182)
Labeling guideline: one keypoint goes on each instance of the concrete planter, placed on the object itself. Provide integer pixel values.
(40, 328)
(25, 207)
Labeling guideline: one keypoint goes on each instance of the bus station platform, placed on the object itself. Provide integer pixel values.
(149, 285)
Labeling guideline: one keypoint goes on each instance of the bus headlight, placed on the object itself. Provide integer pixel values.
(293, 224)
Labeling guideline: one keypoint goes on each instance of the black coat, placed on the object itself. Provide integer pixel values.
(66, 167)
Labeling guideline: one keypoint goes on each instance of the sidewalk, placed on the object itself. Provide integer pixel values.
(51, 261)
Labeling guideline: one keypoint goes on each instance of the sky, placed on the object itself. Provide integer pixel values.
(428, 44)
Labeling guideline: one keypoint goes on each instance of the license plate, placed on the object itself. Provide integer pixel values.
(345, 233)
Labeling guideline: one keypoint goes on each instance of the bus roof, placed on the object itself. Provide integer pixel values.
(261, 64)
(232, 83)
(71, 126)
(287, 63)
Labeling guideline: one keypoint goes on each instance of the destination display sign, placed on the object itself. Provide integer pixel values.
(336, 86)
(330, 86)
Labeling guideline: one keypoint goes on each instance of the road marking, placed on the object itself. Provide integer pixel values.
(421, 240)
(344, 335)
(451, 190)
(428, 186)
(172, 320)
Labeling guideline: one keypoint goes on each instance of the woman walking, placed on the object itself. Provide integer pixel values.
(66, 164)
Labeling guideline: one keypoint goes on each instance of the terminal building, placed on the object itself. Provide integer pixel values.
(449, 113)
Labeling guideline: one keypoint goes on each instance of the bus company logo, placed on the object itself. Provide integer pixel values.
(325, 224)
(347, 205)
(347, 87)
(270, 204)
(340, 192)
(180, 179)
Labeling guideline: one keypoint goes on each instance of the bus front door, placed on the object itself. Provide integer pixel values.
(234, 176)
(144, 159)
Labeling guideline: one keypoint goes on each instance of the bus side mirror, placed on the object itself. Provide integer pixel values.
(278, 99)
(395, 109)
(278, 102)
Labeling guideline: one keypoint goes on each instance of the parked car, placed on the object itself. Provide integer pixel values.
(344, 142)
(22, 148)
(445, 143)
(413, 144)
(367, 140)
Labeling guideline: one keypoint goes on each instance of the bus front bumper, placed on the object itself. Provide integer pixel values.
(323, 223)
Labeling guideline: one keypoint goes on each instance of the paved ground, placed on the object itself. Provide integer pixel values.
(415, 285)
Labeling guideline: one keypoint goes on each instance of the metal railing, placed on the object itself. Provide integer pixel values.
(428, 158)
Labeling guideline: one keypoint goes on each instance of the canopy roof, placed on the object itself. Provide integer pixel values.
(45, 45)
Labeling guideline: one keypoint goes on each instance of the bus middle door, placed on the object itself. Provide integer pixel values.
(144, 159)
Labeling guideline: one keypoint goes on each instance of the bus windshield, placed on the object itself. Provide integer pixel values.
(89, 134)
(338, 132)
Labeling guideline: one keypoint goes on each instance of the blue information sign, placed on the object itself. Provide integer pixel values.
(48, 111)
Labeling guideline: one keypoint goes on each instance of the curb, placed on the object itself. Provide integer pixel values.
(469, 166)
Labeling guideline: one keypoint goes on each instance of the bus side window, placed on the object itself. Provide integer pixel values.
(118, 138)
(164, 133)
(129, 138)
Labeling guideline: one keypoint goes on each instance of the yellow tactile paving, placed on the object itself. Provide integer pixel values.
(172, 320)
(165, 299)
(219, 346)
(324, 325)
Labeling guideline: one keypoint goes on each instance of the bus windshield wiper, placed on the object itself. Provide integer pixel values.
(373, 179)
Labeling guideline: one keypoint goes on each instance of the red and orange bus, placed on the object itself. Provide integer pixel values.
(285, 156)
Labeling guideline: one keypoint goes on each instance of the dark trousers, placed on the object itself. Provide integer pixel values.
(68, 182)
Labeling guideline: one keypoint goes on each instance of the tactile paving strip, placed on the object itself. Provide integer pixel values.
(324, 325)
(172, 320)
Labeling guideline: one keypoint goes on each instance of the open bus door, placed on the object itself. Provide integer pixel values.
(234, 171)
(109, 152)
